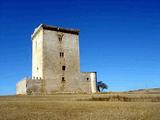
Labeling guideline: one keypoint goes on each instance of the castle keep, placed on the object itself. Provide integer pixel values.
(56, 64)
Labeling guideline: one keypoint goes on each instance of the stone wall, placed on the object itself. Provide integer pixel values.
(37, 55)
(21, 87)
(35, 87)
(88, 82)
(57, 79)
(29, 86)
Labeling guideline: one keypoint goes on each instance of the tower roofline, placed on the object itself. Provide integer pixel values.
(55, 28)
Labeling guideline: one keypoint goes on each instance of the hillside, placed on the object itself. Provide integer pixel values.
(146, 91)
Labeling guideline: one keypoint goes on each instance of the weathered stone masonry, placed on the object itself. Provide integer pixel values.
(56, 64)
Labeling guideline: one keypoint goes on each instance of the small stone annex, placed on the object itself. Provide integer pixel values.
(56, 64)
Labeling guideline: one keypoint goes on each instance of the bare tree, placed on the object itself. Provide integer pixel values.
(101, 86)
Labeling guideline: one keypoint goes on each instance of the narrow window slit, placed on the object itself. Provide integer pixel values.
(63, 67)
(63, 80)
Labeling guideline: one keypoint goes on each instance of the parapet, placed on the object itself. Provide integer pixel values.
(55, 28)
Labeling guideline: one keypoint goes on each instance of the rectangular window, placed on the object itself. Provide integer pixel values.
(61, 54)
(63, 79)
(63, 67)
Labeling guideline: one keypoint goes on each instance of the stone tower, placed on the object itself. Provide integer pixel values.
(56, 63)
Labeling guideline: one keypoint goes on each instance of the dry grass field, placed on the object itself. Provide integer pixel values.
(110, 106)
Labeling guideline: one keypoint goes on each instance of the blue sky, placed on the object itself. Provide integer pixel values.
(120, 39)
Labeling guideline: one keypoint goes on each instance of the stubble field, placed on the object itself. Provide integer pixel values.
(81, 107)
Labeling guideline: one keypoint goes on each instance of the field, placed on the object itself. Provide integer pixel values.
(108, 106)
